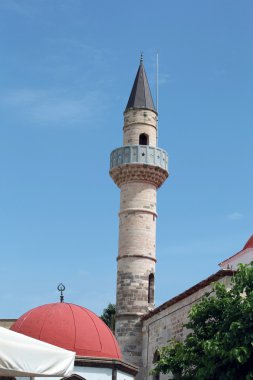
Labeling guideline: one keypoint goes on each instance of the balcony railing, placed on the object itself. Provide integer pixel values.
(139, 154)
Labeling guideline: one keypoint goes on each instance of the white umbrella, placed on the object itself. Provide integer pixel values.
(23, 356)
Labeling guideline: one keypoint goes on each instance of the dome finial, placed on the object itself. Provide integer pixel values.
(61, 289)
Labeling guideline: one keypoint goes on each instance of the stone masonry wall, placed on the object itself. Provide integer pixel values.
(138, 195)
(137, 122)
(7, 323)
(137, 219)
(129, 336)
(166, 325)
(136, 261)
(132, 285)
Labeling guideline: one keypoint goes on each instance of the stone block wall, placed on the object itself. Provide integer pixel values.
(137, 122)
(7, 323)
(167, 321)
(132, 285)
(136, 261)
(138, 195)
(128, 331)
(137, 221)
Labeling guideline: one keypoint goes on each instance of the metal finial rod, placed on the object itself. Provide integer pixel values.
(157, 97)
(61, 289)
(141, 60)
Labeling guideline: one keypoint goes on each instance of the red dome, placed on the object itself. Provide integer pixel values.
(249, 243)
(71, 327)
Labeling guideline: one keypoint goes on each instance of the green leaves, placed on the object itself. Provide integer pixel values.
(240, 354)
(108, 316)
(220, 344)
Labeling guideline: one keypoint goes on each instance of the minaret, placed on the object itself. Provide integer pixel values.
(138, 168)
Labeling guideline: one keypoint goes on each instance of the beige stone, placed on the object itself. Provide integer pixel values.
(137, 122)
(167, 324)
(7, 323)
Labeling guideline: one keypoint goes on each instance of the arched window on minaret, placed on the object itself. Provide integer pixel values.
(156, 358)
(151, 288)
(143, 139)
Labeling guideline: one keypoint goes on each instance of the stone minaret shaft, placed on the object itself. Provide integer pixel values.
(138, 168)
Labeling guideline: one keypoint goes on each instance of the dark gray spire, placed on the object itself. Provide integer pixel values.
(140, 96)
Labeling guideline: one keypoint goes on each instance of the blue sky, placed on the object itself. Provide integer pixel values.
(66, 71)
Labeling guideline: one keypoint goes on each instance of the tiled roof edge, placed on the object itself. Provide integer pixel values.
(200, 285)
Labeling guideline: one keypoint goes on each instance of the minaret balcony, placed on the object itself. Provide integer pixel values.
(139, 154)
(139, 163)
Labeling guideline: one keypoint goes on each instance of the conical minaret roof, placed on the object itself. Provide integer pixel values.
(140, 96)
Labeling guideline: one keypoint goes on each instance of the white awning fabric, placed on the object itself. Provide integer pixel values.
(23, 356)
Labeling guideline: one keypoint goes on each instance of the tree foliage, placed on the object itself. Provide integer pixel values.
(219, 345)
(108, 316)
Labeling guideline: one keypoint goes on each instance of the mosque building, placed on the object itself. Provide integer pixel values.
(139, 167)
